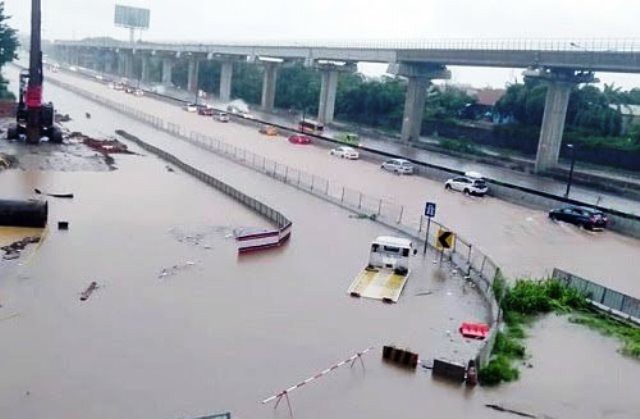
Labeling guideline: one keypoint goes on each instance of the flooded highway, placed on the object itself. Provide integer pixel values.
(220, 332)
(225, 333)
(522, 240)
(515, 177)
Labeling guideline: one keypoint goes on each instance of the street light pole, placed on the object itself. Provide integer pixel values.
(573, 162)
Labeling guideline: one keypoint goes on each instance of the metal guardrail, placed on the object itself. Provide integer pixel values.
(622, 304)
(476, 265)
(478, 44)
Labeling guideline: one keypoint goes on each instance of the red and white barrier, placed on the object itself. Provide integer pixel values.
(285, 393)
(249, 242)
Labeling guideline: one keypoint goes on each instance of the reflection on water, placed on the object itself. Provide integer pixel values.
(228, 332)
(9, 235)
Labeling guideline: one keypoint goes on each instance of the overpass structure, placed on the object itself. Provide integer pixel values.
(562, 64)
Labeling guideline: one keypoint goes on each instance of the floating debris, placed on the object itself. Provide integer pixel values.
(84, 296)
(54, 195)
(58, 117)
(12, 251)
(173, 270)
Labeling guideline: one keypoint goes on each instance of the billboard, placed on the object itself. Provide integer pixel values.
(132, 17)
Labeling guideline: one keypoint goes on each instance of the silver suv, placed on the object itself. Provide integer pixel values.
(398, 166)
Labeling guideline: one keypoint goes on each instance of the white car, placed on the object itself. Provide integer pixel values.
(469, 185)
(221, 117)
(190, 107)
(398, 166)
(345, 153)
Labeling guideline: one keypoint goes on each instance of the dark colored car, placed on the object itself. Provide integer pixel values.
(588, 218)
(205, 111)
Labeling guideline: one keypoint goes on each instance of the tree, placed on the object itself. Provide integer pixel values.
(8, 46)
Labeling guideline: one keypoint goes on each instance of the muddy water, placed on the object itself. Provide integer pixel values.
(266, 323)
(522, 240)
(220, 332)
(573, 375)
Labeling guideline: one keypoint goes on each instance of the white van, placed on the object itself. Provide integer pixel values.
(391, 252)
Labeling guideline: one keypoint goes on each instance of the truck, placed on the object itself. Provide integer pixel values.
(387, 272)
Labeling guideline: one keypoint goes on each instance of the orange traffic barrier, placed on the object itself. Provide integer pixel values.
(474, 330)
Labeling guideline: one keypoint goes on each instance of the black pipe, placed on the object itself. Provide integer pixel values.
(31, 213)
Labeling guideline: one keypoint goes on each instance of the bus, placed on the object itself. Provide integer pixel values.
(310, 126)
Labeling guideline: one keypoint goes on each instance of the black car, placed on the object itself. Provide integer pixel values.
(588, 218)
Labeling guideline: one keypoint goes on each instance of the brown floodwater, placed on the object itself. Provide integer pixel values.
(222, 332)
(219, 331)
(521, 240)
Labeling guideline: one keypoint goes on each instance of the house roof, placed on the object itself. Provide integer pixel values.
(488, 96)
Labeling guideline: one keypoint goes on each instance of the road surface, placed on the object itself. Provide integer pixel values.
(521, 240)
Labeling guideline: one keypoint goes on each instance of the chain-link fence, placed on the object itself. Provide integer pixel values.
(623, 304)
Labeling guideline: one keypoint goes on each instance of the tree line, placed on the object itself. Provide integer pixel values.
(8, 46)
(379, 102)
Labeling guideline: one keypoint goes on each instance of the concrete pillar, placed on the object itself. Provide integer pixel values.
(121, 66)
(226, 74)
(552, 129)
(414, 108)
(126, 63)
(192, 76)
(108, 63)
(167, 69)
(560, 83)
(269, 85)
(419, 77)
(328, 89)
(146, 69)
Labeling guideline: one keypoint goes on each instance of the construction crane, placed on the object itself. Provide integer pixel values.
(34, 119)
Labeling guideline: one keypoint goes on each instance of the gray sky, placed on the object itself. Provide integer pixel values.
(351, 19)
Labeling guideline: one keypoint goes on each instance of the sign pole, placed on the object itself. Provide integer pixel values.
(426, 238)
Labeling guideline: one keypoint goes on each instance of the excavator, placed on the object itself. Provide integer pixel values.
(34, 119)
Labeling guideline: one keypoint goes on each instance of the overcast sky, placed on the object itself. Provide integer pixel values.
(351, 19)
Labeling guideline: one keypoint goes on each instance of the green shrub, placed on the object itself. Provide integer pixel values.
(499, 369)
(508, 346)
(460, 146)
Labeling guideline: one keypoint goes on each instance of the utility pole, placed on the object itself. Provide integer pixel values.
(34, 87)
(573, 163)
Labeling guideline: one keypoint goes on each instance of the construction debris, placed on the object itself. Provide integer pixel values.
(28, 213)
(62, 117)
(166, 272)
(54, 195)
(12, 251)
(84, 296)
(112, 146)
(400, 357)
(7, 161)
(504, 409)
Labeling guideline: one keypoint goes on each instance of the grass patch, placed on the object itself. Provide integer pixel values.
(459, 145)
(526, 299)
(609, 326)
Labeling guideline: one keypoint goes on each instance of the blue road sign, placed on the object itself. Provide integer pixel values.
(430, 209)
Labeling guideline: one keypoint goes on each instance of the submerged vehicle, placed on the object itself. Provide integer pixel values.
(387, 272)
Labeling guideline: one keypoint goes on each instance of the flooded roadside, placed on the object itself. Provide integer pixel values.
(522, 240)
(181, 326)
